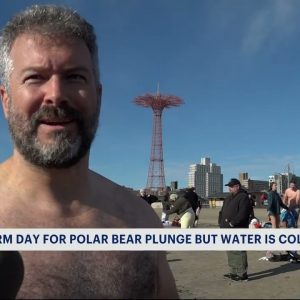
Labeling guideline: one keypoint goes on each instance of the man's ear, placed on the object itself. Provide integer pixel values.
(4, 100)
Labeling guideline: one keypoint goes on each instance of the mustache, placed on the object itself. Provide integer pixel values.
(56, 113)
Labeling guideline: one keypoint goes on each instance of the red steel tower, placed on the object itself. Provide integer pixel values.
(156, 173)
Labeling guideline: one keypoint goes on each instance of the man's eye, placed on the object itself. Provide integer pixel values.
(76, 77)
(33, 78)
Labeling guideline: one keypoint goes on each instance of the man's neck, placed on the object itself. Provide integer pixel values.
(56, 188)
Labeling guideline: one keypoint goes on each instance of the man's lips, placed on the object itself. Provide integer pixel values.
(56, 122)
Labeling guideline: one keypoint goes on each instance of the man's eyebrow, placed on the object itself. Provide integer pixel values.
(77, 69)
(31, 69)
(65, 70)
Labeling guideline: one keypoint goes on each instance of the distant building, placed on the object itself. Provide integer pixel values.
(253, 185)
(206, 177)
(296, 179)
(281, 179)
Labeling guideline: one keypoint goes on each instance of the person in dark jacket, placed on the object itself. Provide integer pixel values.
(235, 213)
(147, 197)
(192, 197)
(252, 205)
(183, 208)
(274, 204)
(165, 201)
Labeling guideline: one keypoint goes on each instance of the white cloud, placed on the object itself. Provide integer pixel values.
(271, 25)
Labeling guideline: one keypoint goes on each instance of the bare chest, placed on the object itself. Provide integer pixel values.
(292, 197)
(88, 275)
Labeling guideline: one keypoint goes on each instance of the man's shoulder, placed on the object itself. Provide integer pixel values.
(242, 194)
(117, 194)
(124, 204)
(290, 191)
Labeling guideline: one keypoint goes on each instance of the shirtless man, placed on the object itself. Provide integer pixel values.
(291, 198)
(51, 98)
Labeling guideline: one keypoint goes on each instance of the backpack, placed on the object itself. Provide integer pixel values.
(288, 217)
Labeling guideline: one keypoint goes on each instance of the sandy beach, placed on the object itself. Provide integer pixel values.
(199, 274)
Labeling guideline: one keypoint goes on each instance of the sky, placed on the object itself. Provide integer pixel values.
(235, 63)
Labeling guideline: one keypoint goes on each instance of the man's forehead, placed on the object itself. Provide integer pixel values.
(33, 40)
(46, 39)
(45, 52)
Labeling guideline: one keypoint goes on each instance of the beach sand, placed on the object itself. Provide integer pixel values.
(199, 274)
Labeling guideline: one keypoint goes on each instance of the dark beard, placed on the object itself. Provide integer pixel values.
(65, 150)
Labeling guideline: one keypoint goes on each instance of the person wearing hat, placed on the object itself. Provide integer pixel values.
(235, 213)
(183, 208)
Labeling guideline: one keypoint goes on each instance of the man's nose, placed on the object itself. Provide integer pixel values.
(56, 92)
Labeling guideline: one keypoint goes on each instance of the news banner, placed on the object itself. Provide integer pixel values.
(147, 239)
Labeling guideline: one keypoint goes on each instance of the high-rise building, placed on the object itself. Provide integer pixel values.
(206, 177)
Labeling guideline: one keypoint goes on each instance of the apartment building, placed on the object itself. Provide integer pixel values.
(206, 177)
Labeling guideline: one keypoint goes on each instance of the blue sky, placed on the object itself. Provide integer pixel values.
(235, 63)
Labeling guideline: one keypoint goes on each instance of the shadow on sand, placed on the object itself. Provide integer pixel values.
(283, 268)
(175, 259)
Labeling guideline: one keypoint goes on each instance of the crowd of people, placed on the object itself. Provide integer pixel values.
(237, 212)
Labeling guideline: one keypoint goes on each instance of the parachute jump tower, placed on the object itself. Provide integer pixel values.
(158, 102)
